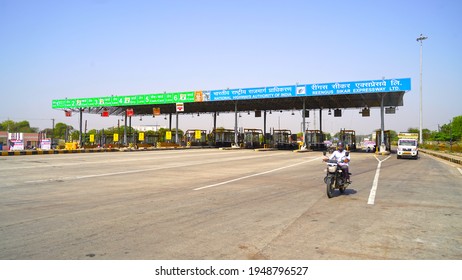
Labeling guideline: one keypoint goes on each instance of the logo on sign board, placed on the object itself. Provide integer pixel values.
(179, 107)
(156, 111)
(198, 96)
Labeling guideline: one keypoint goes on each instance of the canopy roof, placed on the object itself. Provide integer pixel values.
(340, 95)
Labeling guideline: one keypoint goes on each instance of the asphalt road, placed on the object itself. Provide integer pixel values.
(226, 204)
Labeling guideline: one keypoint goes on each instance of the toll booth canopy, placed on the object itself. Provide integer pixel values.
(336, 96)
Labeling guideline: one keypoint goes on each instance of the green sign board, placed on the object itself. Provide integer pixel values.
(127, 100)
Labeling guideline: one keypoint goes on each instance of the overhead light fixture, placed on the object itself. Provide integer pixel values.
(365, 112)
(330, 112)
(390, 110)
(337, 113)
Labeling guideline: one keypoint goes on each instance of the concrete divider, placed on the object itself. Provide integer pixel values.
(449, 157)
(50, 152)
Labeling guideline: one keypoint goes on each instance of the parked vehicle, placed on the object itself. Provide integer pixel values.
(368, 146)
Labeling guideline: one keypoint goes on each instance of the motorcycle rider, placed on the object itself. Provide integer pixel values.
(342, 159)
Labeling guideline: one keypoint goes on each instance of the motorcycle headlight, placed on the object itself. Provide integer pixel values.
(332, 168)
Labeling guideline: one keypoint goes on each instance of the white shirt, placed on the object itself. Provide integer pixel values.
(337, 155)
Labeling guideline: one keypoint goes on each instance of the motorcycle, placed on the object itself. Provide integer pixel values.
(334, 178)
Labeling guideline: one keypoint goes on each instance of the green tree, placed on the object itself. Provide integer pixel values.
(62, 129)
(393, 135)
(413, 130)
(74, 135)
(7, 125)
(22, 126)
(48, 132)
(426, 133)
(456, 127)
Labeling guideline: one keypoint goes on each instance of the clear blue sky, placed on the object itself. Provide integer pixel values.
(89, 48)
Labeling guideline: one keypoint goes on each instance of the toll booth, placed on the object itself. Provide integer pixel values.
(167, 138)
(314, 140)
(253, 138)
(378, 140)
(283, 139)
(151, 138)
(348, 137)
(195, 137)
(222, 137)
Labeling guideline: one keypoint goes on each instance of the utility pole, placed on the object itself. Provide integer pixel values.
(420, 39)
(52, 132)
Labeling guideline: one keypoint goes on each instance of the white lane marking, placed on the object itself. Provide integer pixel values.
(142, 170)
(97, 175)
(254, 175)
(141, 156)
(375, 184)
(460, 170)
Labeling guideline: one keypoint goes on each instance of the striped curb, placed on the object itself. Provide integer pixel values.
(52, 152)
(451, 158)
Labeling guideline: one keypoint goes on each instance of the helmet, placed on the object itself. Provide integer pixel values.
(340, 144)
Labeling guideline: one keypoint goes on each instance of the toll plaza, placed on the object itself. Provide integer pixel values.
(386, 94)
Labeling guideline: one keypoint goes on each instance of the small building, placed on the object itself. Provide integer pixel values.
(19, 141)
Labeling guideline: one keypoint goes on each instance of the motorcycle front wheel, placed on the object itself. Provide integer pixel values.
(330, 186)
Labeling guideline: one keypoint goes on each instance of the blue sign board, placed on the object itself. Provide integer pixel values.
(391, 85)
(252, 93)
(360, 87)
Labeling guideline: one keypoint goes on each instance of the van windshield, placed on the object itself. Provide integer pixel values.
(407, 143)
